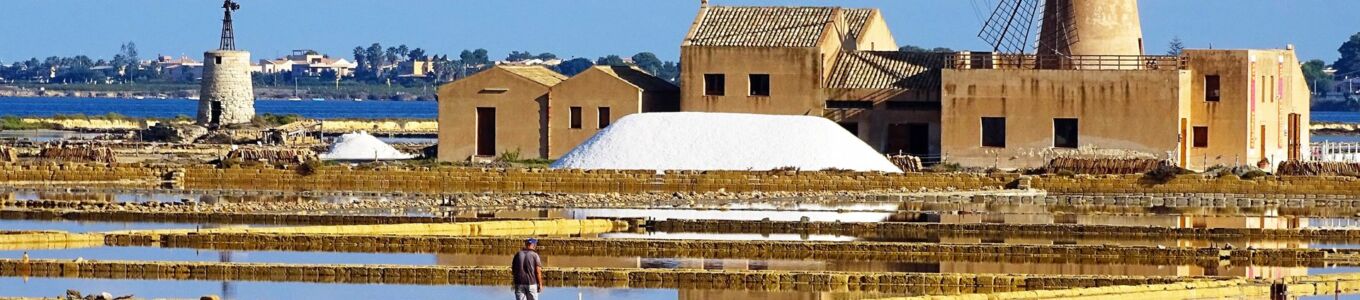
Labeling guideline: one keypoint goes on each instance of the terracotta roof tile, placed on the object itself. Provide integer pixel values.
(537, 74)
(856, 18)
(887, 70)
(639, 78)
(759, 26)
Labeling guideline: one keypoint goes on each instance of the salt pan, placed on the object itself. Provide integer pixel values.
(723, 141)
(362, 146)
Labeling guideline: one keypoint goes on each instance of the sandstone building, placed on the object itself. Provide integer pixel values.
(839, 63)
(1098, 94)
(539, 113)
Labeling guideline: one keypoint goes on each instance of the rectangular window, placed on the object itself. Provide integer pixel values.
(852, 127)
(217, 59)
(604, 117)
(760, 84)
(1065, 133)
(715, 84)
(1212, 91)
(575, 117)
(849, 104)
(994, 132)
(1201, 136)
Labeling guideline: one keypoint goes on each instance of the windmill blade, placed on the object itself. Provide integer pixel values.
(1009, 27)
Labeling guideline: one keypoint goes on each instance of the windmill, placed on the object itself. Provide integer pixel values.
(1065, 28)
(228, 34)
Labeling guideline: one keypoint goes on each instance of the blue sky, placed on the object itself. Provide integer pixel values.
(588, 28)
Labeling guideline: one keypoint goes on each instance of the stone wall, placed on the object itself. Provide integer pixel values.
(1320, 190)
(228, 97)
(897, 283)
(475, 180)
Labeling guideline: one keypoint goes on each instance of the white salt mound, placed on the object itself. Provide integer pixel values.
(723, 141)
(362, 146)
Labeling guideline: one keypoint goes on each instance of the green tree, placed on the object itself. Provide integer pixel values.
(1175, 47)
(361, 60)
(519, 56)
(573, 66)
(546, 56)
(611, 60)
(416, 54)
(1318, 80)
(1350, 56)
(647, 61)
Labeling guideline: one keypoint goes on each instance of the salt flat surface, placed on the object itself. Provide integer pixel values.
(362, 146)
(723, 141)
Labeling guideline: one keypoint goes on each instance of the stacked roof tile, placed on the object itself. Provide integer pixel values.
(887, 70)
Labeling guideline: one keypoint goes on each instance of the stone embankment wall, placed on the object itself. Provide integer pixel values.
(601, 277)
(487, 228)
(92, 124)
(1296, 185)
(213, 217)
(474, 179)
(72, 172)
(885, 251)
(1010, 230)
(381, 126)
(456, 179)
(1241, 288)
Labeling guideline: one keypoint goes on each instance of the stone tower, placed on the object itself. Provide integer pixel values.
(1091, 27)
(226, 95)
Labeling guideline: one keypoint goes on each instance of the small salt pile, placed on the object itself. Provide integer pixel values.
(362, 146)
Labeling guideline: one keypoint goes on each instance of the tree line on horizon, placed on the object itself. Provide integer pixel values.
(375, 61)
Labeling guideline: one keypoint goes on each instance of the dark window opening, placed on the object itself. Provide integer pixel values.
(994, 132)
(715, 84)
(1201, 136)
(913, 105)
(852, 127)
(849, 104)
(1212, 90)
(575, 117)
(760, 84)
(604, 117)
(1065, 133)
(218, 59)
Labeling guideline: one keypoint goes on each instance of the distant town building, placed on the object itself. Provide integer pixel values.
(415, 68)
(180, 69)
(307, 63)
(530, 62)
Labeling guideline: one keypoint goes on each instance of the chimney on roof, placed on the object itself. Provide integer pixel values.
(703, 3)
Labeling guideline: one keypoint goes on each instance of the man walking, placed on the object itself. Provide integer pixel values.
(527, 269)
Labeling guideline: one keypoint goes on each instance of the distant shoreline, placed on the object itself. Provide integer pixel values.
(183, 91)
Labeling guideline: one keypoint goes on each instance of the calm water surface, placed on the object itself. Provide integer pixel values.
(170, 108)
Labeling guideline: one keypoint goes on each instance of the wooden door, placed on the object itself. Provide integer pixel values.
(1295, 138)
(486, 131)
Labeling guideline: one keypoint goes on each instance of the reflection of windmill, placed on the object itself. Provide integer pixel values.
(1066, 27)
(228, 34)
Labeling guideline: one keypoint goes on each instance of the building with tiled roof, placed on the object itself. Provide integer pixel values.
(840, 63)
(539, 113)
(600, 95)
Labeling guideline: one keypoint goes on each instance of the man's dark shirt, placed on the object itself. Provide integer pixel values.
(524, 267)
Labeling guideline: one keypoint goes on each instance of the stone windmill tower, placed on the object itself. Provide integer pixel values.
(227, 95)
(1066, 27)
